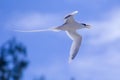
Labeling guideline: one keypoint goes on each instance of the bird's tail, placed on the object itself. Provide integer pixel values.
(40, 30)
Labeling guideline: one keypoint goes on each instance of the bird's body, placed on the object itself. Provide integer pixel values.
(70, 26)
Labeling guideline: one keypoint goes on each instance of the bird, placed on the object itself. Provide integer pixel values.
(70, 26)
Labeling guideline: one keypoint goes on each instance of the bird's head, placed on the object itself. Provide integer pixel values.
(86, 25)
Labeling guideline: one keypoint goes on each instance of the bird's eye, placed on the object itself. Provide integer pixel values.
(84, 24)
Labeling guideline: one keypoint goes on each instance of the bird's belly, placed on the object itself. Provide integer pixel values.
(70, 27)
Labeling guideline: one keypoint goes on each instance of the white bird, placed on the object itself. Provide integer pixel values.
(70, 26)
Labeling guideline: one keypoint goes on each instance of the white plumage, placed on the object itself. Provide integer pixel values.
(70, 26)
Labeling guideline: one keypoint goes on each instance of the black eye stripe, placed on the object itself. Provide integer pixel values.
(83, 24)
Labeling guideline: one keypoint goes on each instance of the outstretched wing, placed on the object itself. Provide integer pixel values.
(70, 14)
(69, 17)
(75, 45)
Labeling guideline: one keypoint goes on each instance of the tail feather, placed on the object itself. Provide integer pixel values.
(51, 29)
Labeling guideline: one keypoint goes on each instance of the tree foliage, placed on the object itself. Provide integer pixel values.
(13, 60)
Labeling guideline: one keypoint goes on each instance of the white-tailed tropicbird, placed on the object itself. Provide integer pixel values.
(70, 26)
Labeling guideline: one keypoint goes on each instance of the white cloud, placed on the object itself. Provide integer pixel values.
(100, 67)
(33, 20)
(102, 62)
(106, 30)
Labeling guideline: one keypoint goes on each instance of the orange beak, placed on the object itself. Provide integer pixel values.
(88, 26)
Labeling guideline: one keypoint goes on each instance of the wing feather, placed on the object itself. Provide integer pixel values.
(75, 44)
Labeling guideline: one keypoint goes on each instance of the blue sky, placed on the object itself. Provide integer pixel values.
(99, 54)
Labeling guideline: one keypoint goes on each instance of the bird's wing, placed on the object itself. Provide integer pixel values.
(75, 45)
(70, 14)
(69, 18)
